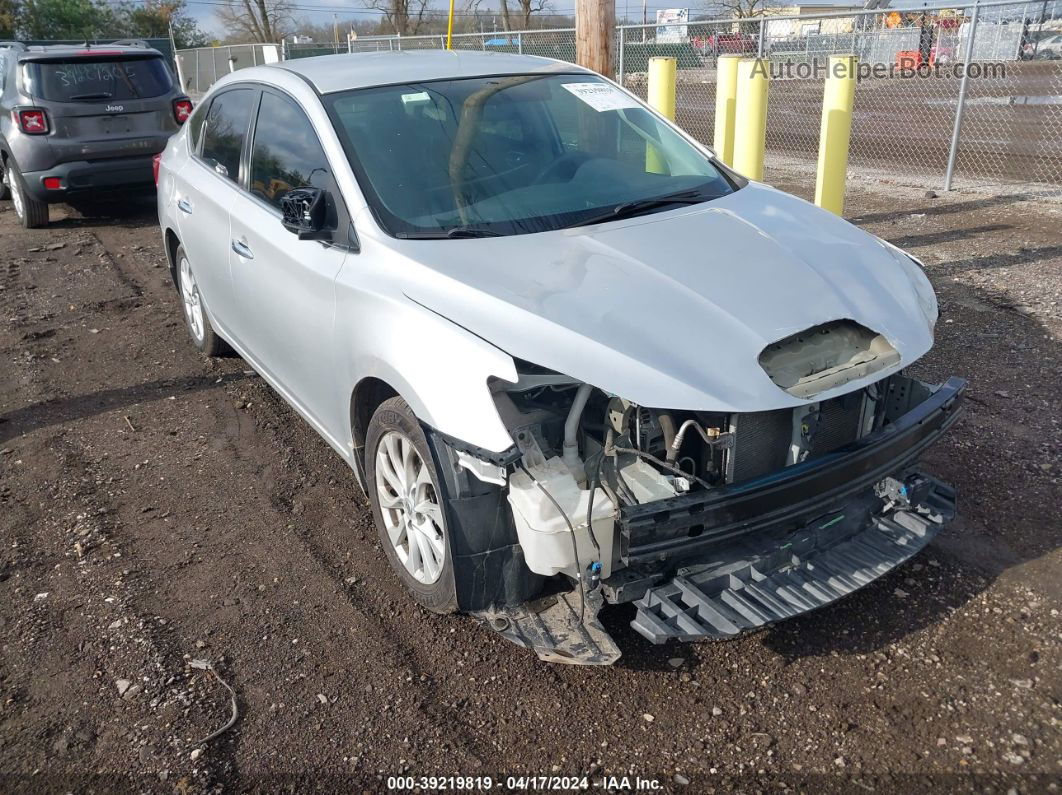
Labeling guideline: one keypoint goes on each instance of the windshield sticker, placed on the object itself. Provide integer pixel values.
(602, 96)
(420, 96)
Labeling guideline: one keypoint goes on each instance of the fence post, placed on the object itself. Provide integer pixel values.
(197, 89)
(961, 105)
(620, 70)
(520, 43)
(759, 45)
(283, 48)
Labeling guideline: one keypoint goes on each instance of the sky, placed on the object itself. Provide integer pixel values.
(204, 10)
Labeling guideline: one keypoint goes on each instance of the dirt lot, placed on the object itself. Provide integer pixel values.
(157, 508)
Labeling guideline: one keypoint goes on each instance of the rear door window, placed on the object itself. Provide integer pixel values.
(96, 79)
(225, 130)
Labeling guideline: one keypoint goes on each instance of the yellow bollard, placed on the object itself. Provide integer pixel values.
(834, 134)
(725, 101)
(662, 77)
(750, 117)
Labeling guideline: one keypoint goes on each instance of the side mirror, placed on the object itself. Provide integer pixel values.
(306, 213)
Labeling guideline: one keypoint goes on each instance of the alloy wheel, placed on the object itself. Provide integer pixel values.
(193, 306)
(410, 508)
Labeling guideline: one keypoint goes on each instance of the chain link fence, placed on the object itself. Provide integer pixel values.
(201, 67)
(556, 43)
(1010, 103)
(290, 51)
(904, 119)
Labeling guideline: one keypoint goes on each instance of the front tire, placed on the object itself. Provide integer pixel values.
(32, 213)
(195, 314)
(408, 506)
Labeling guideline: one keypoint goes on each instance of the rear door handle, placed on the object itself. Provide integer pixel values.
(242, 249)
(184, 206)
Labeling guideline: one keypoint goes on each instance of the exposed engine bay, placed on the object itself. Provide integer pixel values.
(696, 515)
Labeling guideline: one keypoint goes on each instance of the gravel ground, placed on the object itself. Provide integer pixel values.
(158, 509)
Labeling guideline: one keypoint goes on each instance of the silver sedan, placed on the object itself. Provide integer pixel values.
(572, 358)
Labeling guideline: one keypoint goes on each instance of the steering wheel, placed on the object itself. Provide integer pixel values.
(563, 168)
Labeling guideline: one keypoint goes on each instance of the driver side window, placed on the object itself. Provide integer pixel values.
(286, 153)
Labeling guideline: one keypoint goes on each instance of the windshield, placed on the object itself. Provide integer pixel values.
(91, 79)
(514, 154)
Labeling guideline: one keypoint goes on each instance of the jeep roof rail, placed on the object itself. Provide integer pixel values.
(14, 45)
(132, 43)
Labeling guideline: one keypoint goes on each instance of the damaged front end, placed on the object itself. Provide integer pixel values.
(712, 524)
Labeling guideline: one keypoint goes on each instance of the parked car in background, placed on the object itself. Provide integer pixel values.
(571, 357)
(1046, 49)
(82, 120)
(727, 44)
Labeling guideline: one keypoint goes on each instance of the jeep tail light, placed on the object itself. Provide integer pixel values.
(31, 121)
(53, 183)
(156, 161)
(182, 109)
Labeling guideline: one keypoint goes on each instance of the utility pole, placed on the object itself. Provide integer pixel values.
(595, 22)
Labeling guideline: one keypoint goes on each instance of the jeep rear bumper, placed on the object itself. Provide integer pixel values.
(82, 177)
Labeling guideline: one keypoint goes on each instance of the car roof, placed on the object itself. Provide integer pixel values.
(329, 73)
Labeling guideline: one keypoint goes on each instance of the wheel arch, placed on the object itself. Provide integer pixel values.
(172, 243)
(365, 398)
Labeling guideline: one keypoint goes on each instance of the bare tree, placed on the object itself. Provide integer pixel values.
(740, 9)
(258, 20)
(405, 17)
(529, 7)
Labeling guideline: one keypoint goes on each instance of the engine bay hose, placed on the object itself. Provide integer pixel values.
(570, 452)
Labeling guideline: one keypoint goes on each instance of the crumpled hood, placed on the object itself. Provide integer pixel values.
(673, 309)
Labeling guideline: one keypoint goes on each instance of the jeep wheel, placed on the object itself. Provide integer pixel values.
(407, 505)
(32, 213)
(5, 191)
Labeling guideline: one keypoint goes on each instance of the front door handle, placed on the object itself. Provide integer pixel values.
(184, 206)
(242, 249)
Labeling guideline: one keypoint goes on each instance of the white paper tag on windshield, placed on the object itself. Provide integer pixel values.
(602, 96)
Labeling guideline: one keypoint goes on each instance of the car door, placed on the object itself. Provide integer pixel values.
(205, 188)
(285, 287)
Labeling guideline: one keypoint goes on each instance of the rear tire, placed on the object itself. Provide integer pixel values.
(32, 213)
(409, 506)
(194, 310)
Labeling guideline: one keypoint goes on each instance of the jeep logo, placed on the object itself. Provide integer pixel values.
(115, 108)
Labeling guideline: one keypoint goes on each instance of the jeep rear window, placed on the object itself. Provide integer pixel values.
(97, 80)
